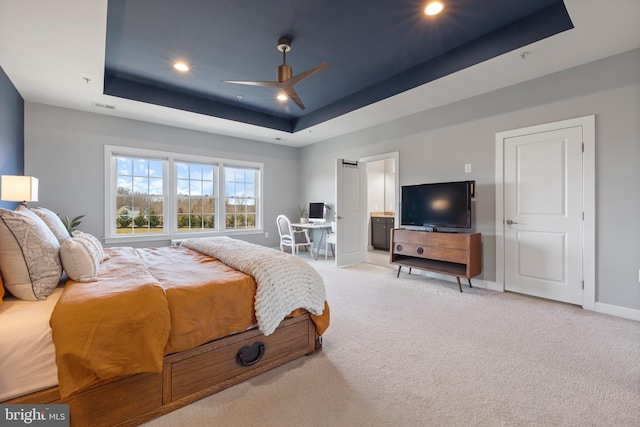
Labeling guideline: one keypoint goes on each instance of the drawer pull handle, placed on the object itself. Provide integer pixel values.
(420, 251)
(399, 248)
(250, 354)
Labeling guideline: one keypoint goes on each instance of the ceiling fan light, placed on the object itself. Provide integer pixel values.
(434, 7)
(181, 66)
(282, 97)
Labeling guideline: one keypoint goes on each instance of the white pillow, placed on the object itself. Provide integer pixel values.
(93, 241)
(29, 255)
(54, 223)
(80, 259)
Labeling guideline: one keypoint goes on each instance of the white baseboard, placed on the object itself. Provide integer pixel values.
(476, 283)
(486, 284)
(614, 310)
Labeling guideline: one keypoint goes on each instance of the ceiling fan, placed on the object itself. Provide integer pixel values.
(284, 79)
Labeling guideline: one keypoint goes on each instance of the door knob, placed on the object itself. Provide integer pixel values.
(511, 222)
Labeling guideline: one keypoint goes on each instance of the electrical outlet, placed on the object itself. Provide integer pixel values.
(266, 234)
(467, 168)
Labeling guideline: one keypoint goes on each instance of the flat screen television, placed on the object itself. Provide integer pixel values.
(445, 205)
(316, 212)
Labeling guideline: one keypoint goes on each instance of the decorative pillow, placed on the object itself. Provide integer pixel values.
(80, 259)
(29, 255)
(53, 221)
(93, 241)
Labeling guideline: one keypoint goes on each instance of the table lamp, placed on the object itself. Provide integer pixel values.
(16, 188)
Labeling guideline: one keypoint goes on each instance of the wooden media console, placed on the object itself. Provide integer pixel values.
(454, 254)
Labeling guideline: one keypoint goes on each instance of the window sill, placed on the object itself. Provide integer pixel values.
(123, 240)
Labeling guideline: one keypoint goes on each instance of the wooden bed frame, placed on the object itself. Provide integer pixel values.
(186, 376)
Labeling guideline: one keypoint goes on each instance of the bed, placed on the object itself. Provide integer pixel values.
(142, 332)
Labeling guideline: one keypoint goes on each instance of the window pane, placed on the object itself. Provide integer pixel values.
(139, 196)
(183, 187)
(155, 186)
(182, 170)
(125, 185)
(183, 204)
(195, 172)
(141, 185)
(240, 193)
(195, 188)
(229, 189)
(208, 221)
(207, 188)
(208, 206)
(155, 168)
(140, 167)
(250, 190)
(207, 172)
(124, 166)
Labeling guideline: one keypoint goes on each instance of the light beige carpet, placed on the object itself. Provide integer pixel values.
(414, 351)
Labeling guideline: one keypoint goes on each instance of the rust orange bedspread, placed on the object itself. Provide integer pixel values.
(148, 303)
(207, 298)
(109, 328)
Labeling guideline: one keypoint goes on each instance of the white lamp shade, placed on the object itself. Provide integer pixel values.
(14, 188)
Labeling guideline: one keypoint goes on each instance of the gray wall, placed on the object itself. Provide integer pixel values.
(434, 146)
(65, 150)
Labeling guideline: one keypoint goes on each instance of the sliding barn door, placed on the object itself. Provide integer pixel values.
(350, 211)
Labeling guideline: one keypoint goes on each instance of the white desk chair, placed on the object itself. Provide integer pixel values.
(331, 239)
(290, 237)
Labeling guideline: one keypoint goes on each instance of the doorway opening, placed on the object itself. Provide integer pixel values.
(382, 213)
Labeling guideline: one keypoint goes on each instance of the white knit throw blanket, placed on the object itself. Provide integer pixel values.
(284, 282)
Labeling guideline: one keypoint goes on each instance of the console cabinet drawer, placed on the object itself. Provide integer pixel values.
(431, 252)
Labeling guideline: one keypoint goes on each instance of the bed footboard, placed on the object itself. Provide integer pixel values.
(187, 376)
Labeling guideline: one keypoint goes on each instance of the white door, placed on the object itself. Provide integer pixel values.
(543, 214)
(350, 212)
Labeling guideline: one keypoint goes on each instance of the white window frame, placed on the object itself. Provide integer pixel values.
(169, 190)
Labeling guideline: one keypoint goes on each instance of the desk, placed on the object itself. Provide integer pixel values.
(315, 226)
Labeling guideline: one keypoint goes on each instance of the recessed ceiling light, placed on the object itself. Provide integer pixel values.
(434, 8)
(181, 66)
(282, 97)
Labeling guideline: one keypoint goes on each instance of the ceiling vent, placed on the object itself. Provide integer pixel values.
(107, 106)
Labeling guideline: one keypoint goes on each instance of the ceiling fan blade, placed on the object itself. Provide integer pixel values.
(299, 77)
(251, 83)
(291, 93)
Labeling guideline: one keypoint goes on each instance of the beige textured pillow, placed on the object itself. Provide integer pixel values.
(92, 241)
(80, 259)
(29, 255)
(54, 223)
